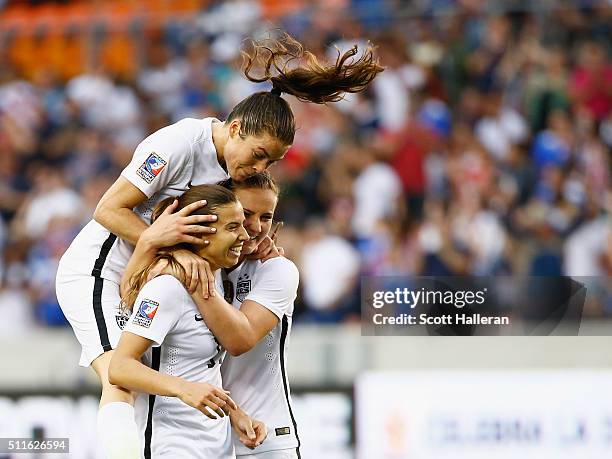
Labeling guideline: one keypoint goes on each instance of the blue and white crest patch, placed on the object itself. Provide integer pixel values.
(146, 313)
(151, 168)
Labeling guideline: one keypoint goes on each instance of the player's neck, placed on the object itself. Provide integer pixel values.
(219, 138)
(240, 260)
(214, 268)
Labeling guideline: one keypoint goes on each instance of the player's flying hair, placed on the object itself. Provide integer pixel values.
(292, 70)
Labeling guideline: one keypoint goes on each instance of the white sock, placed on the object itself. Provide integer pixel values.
(118, 432)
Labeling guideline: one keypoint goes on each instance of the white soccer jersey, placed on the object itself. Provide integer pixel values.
(164, 164)
(257, 380)
(184, 346)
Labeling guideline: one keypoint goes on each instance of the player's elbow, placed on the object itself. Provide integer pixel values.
(116, 371)
(240, 346)
(102, 213)
(236, 350)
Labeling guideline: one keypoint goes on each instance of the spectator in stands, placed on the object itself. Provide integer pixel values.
(488, 135)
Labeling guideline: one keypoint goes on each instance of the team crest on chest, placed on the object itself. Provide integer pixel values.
(121, 319)
(243, 287)
(151, 168)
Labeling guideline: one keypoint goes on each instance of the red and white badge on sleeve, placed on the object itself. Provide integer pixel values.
(146, 313)
(151, 168)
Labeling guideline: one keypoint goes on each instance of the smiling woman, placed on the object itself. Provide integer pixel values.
(251, 319)
(181, 356)
(224, 245)
(257, 132)
(259, 196)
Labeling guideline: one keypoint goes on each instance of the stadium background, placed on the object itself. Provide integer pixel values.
(484, 148)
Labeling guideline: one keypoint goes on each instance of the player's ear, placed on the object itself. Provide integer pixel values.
(234, 128)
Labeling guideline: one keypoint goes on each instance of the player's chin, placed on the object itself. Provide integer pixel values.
(229, 262)
(249, 247)
(231, 258)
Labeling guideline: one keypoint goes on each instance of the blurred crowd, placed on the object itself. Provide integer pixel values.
(483, 149)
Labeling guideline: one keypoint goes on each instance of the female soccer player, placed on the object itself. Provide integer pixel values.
(257, 132)
(256, 329)
(262, 294)
(183, 367)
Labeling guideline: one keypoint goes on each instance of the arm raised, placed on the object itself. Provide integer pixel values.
(274, 288)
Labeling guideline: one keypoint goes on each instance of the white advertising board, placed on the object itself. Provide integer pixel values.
(323, 424)
(484, 415)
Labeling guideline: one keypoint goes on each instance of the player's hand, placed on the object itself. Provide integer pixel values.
(159, 268)
(261, 432)
(251, 432)
(206, 398)
(174, 228)
(198, 272)
(267, 248)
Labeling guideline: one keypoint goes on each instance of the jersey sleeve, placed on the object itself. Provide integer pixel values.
(157, 309)
(275, 285)
(159, 158)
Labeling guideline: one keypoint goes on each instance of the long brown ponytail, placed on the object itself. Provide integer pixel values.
(308, 80)
(215, 196)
